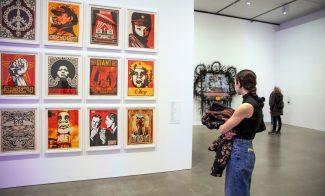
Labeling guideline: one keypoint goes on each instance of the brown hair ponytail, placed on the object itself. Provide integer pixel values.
(247, 79)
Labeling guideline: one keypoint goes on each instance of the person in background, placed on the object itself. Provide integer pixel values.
(276, 108)
(245, 121)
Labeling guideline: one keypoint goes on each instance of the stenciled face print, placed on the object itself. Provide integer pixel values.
(63, 122)
(62, 15)
(95, 122)
(139, 77)
(142, 31)
(63, 72)
(140, 120)
(64, 19)
(108, 122)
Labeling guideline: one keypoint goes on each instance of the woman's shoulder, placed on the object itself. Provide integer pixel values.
(246, 109)
(246, 106)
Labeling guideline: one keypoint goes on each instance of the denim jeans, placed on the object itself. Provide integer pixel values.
(240, 168)
(277, 120)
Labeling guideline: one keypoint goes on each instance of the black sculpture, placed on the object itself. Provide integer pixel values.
(213, 83)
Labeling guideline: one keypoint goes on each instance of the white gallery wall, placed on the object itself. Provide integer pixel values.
(238, 43)
(292, 58)
(173, 146)
(299, 71)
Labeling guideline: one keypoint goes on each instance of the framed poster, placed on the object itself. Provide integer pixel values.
(103, 77)
(140, 128)
(141, 30)
(19, 21)
(62, 76)
(104, 127)
(19, 75)
(63, 25)
(104, 27)
(141, 80)
(19, 133)
(63, 128)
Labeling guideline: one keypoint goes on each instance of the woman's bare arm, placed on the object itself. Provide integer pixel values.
(243, 111)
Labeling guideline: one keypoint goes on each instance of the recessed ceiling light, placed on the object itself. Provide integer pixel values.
(285, 9)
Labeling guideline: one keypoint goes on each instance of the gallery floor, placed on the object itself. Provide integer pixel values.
(290, 164)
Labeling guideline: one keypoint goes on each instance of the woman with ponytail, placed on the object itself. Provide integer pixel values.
(246, 121)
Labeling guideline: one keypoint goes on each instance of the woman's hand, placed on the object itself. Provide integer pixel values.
(230, 134)
(245, 110)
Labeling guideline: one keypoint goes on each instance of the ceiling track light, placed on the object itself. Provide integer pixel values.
(248, 2)
(285, 9)
(278, 7)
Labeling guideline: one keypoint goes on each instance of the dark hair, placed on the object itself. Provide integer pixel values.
(58, 11)
(99, 117)
(141, 18)
(112, 116)
(247, 79)
(62, 62)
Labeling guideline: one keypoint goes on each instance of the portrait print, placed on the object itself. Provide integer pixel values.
(18, 130)
(104, 26)
(18, 74)
(141, 29)
(140, 126)
(141, 78)
(17, 19)
(103, 76)
(63, 22)
(103, 130)
(63, 128)
(63, 75)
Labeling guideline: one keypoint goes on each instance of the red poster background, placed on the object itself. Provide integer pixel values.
(151, 38)
(147, 63)
(103, 114)
(99, 84)
(74, 125)
(29, 76)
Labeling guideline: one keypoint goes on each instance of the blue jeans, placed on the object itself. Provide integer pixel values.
(276, 120)
(240, 168)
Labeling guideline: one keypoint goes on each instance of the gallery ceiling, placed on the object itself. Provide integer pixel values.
(269, 11)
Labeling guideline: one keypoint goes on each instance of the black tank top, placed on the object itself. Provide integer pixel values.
(247, 128)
